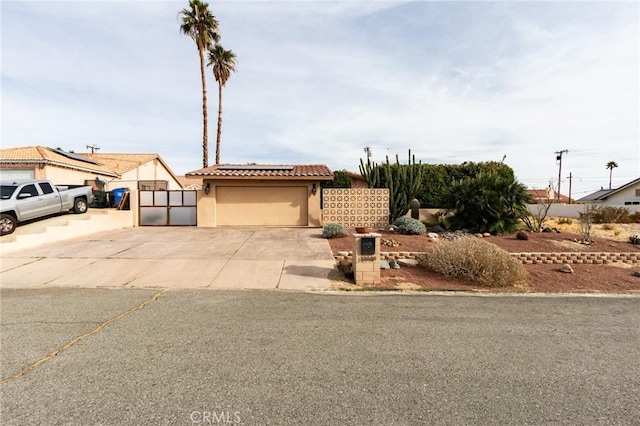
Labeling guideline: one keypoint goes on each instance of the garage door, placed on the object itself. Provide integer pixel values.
(261, 206)
(16, 174)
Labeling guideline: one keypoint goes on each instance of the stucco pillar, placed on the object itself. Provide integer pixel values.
(366, 267)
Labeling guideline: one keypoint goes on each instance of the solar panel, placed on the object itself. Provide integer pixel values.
(255, 167)
(73, 156)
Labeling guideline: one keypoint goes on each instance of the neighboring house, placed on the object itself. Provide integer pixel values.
(140, 171)
(626, 195)
(548, 195)
(357, 180)
(260, 195)
(102, 171)
(192, 183)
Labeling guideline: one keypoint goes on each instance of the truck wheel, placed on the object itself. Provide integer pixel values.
(7, 224)
(80, 205)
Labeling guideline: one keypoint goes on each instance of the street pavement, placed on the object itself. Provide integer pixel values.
(123, 356)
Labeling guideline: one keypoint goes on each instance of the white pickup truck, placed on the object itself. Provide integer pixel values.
(30, 199)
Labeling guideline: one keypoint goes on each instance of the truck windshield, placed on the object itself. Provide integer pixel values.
(7, 191)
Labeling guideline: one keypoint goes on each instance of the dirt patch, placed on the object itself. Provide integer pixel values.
(616, 278)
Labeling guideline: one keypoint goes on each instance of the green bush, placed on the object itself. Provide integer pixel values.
(488, 202)
(476, 260)
(407, 225)
(334, 230)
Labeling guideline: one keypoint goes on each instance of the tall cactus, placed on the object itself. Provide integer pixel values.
(404, 182)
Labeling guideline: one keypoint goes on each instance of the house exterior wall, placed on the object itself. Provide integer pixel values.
(64, 176)
(627, 195)
(207, 202)
(153, 170)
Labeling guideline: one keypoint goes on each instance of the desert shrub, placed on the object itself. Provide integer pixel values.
(521, 235)
(407, 225)
(608, 227)
(610, 214)
(476, 260)
(565, 221)
(334, 230)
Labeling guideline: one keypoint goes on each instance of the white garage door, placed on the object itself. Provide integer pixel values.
(16, 174)
(261, 206)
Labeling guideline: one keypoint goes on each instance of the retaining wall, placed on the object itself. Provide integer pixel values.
(531, 258)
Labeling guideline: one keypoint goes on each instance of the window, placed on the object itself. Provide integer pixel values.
(46, 188)
(153, 185)
(29, 189)
(637, 192)
(632, 203)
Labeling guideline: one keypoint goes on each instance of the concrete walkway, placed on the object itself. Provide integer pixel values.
(176, 257)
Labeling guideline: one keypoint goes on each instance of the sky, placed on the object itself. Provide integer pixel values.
(318, 81)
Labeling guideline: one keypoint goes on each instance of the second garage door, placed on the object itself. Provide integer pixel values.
(261, 206)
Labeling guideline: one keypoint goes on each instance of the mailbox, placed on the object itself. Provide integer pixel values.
(368, 246)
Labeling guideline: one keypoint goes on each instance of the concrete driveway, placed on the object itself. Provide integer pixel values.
(177, 257)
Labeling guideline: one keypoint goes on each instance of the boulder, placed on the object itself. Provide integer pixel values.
(384, 264)
(438, 229)
(394, 264)
(486, 234)
(409, 263)
(432, 235)
(567, 269)
(636, 273)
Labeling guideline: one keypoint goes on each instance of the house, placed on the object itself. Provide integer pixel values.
(625, 195)
(192, 183)
(102, 171)
(260, 195)
(357, 180)
(548, 195)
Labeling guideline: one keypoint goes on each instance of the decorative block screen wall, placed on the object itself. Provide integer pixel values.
(356, 207)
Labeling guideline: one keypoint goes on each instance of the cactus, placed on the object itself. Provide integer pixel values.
(404, 182)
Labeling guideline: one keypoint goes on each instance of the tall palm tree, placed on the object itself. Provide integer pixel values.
(611, 165)
(223, 63)
(198, 22)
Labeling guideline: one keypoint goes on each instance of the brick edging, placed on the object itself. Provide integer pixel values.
(532, 258)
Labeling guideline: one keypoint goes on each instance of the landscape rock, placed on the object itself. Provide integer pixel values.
(636, 273)
(479, 235)
(438, 229)
(432, 235)
(486, 234)
(344, 253)
(567, 269)
(384, 265)
(410, 263)
(394, 264)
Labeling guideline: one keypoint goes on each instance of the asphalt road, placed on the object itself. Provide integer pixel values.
(266, 357)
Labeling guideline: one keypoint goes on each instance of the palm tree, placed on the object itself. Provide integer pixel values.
(199, 23)
(611, 165)
(223, 63)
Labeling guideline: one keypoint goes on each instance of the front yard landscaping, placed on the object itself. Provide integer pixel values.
(613, 276)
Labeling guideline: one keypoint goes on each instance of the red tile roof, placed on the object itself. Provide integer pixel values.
(268, 171)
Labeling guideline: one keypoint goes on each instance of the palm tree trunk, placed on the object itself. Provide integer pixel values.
(219, 123)
(205, 135)
(610, 174)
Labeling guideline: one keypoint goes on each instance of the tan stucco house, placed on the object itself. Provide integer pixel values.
(103, 171)
(260, 195)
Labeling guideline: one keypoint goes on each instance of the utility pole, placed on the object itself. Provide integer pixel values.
(559, 159)
(367, 150)
(570, 177)
(93, 148)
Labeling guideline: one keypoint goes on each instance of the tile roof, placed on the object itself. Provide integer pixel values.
(44, 155)
(121, 163)
(265, 171)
